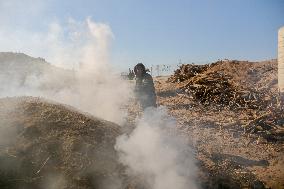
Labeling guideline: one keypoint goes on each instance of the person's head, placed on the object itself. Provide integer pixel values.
(139, 70)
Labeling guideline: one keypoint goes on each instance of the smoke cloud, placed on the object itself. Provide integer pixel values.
(157, 155)
(151, 151)
(93, 85)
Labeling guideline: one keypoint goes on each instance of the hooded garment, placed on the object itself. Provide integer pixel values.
(145, 91)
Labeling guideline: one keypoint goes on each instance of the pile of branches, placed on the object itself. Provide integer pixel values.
(187, 71)
(269, 125)
(216, 88)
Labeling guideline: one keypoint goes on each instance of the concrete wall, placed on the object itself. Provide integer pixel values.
(281, 59)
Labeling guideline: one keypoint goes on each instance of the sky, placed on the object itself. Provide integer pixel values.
(153, 32)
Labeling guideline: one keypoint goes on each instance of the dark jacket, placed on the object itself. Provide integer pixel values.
(145, 91)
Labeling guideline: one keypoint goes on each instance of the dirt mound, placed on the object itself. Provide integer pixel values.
(48, 145)
(20, 71)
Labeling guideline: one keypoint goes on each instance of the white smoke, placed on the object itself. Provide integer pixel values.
(151, 151)
(93, 86)
(84, 46)
(161, 158)
(101, 90)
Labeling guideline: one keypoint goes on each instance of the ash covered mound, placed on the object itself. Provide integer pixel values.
(21, 74)
(48, 145)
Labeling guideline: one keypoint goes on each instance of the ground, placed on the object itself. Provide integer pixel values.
(44, 144)
(228, 112)
(228, 156)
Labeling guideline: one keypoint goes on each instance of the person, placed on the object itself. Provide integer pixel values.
(144, 88)
(131, 74)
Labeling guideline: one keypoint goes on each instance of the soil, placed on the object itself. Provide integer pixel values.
(230, 155)
(49, 145)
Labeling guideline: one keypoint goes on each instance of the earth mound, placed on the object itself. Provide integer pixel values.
(48, 145)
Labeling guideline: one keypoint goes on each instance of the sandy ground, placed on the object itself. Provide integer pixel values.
(49, 137)
(228, 157)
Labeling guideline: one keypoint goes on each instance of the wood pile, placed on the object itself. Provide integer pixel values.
(187, 71)
(218, 87)
(237, 86)
(269, 125)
